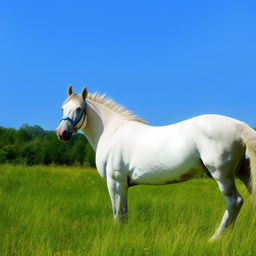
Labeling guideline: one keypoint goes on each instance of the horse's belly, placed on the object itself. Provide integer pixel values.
(160, 175)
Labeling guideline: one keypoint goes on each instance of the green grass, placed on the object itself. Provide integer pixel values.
(66, 211)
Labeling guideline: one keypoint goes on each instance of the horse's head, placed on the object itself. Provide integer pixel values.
(74, 117)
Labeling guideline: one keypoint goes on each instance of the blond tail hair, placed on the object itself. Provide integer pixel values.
(248, 136)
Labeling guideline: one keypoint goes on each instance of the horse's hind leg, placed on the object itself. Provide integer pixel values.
(244, 174)
(234, 201)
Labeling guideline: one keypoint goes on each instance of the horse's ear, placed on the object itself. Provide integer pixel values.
(84, 93)
(70, 90)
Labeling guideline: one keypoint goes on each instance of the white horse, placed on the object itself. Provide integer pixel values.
(131, 152)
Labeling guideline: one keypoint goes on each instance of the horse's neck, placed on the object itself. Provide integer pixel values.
(101, 121)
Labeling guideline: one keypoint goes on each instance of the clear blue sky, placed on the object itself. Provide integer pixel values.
(164, 60)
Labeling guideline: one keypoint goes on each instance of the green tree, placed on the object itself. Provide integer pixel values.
(32, 145)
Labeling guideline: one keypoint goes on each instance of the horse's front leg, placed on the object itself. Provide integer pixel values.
(118, 189)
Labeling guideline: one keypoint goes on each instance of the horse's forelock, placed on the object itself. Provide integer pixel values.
(76, 98)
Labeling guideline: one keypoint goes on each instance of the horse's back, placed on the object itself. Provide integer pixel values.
(189, 133)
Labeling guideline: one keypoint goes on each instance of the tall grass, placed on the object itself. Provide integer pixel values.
(66, 211)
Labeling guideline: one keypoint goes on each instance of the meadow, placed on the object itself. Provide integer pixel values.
(66, 211)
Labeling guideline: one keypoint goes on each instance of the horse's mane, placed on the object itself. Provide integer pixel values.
(111, 104)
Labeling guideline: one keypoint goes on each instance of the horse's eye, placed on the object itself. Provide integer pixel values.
(78, 109)
(62, 109)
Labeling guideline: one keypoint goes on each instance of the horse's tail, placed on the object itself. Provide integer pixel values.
(248, 136)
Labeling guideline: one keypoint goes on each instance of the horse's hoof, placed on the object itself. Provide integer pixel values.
(213, 238)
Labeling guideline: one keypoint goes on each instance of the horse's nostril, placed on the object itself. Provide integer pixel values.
(66, 135)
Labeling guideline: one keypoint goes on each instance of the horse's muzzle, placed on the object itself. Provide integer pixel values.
(63, 135)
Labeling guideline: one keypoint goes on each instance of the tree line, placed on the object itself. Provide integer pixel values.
(32, 145)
